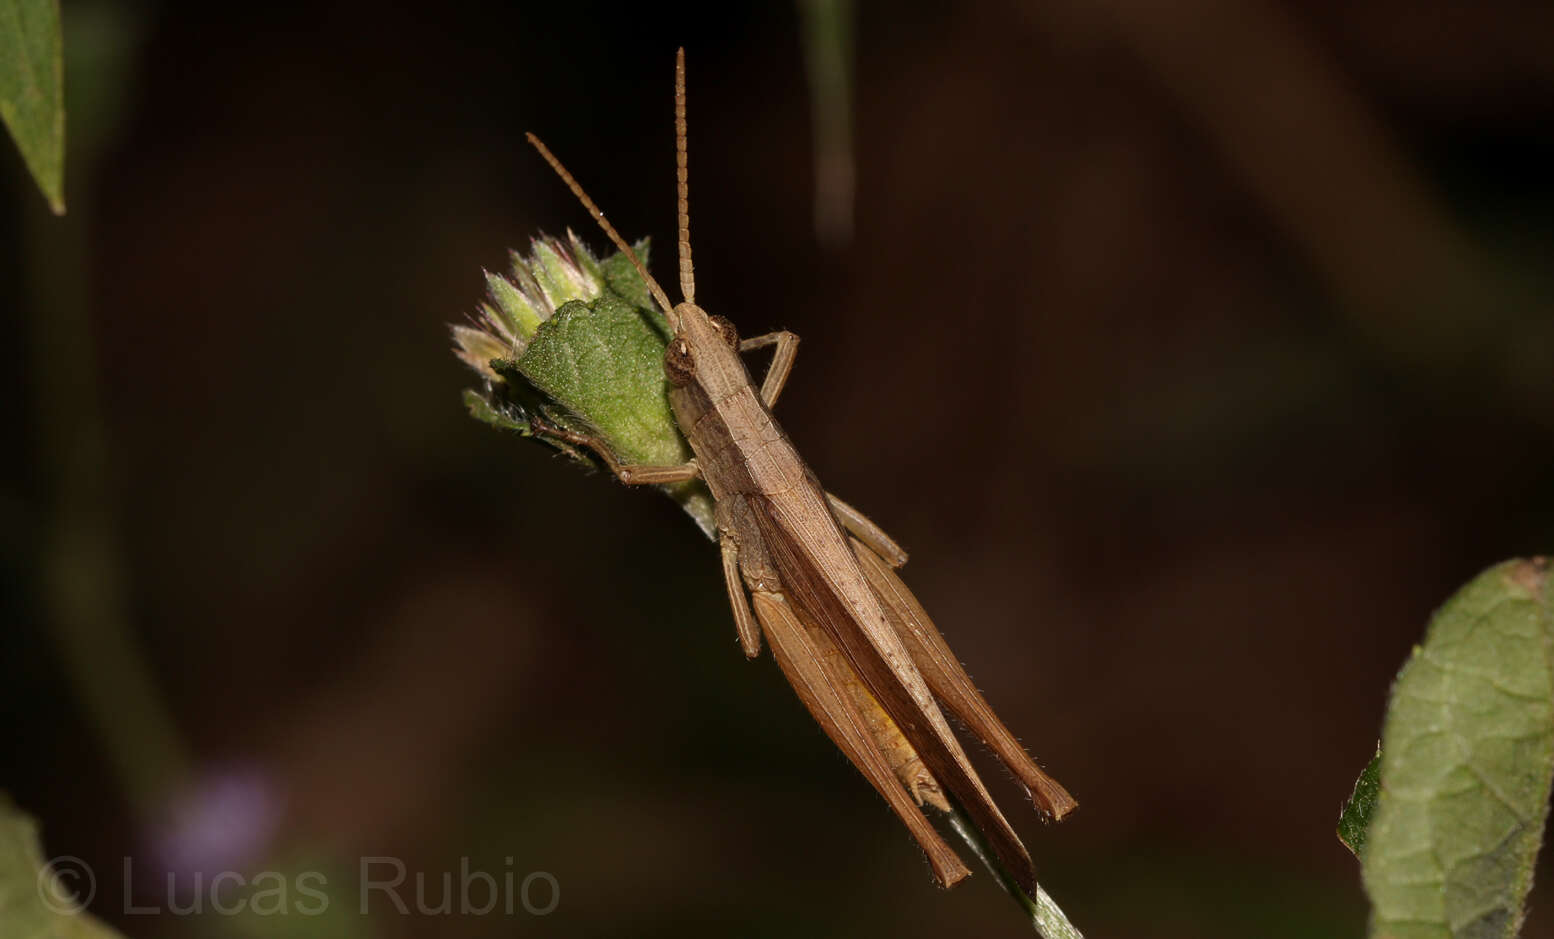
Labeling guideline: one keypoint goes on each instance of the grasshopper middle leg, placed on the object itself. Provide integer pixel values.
(782, 361)
(863, 528)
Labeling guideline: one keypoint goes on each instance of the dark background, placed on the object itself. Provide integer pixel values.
(1196, 353)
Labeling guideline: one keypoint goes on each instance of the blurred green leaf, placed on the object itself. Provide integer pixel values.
(32, 90)
(828, 54)
(1467, 755)
(1356, 817)
(39, 901)
(296, 896)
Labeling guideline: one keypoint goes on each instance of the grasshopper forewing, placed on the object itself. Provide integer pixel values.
(856, 645)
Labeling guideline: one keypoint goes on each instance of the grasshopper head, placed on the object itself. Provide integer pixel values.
(704, 349)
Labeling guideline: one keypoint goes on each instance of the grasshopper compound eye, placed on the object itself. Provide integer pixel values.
(726, 330)
(679, 367)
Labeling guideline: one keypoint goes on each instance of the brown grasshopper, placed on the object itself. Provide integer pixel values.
(817, 575)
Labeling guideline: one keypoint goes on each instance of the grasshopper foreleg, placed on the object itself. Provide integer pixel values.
(632, 474)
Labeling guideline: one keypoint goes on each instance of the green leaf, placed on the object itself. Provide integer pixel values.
(589, 342)
(38, 900)
(511, 305)
(606, 365)
(622, 278)
(32, 90)
(1467, 755)
(481, 409)
(603, 361)
(1356, 817)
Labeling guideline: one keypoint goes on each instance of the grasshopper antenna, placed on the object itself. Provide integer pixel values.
(682, 179)
(604, 223)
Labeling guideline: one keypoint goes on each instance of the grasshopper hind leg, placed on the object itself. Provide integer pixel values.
(810, 661)
(948, 681)
(744, 618)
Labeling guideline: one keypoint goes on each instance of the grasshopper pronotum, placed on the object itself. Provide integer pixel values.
(817, 577)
